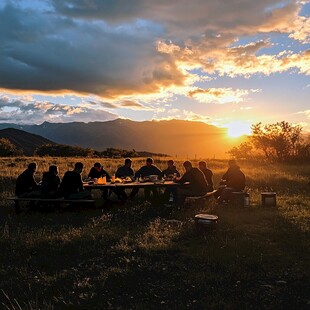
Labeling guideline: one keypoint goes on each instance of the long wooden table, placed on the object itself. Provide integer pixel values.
(125, 185)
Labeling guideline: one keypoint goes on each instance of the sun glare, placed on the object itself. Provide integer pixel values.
(238, 129)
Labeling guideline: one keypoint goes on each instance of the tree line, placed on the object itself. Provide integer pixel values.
(7, 149)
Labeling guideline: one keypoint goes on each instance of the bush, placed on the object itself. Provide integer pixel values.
(60, 150)
(8, 149)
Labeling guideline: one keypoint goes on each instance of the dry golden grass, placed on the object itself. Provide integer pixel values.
(143, 256)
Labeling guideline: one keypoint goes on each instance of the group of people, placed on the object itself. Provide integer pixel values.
(51, 186)
(199, 181)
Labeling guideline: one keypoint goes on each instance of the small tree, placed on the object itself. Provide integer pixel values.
(243, 151)
(7, 148)
(277, 142)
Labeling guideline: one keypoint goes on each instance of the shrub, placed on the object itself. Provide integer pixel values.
(8, 149)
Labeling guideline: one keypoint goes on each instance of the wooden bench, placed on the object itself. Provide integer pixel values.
(48, 201)
(205, 196)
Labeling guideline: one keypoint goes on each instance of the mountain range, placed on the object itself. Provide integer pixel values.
(175, 137)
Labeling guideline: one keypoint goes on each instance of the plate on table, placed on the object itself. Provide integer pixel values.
(153, 177)
(159, 182)
(144, 180)
(127, 180)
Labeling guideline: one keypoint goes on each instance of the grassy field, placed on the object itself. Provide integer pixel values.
(142, 256)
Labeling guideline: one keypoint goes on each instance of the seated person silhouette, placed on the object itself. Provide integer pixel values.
(233, 180)
(72, 186)
(208, 174)
(146, 171)
(51, 183)
(169, 173)
(97, 172)
(26, 185)
(123, 172)
(198, 185)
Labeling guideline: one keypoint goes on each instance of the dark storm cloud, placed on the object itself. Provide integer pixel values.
(47, 52)
(121, 47)
(191, 18)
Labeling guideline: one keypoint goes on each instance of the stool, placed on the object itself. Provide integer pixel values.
(269, 199)
(237, 199)
(240, 199)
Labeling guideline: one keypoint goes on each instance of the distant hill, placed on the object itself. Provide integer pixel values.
(24, 141)
(174, 137)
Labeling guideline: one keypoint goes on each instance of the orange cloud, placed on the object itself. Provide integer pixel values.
(219, 95)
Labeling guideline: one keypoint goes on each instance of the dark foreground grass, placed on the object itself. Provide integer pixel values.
(137, 258)
(143, 256)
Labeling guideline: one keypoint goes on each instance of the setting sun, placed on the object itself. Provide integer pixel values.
(238, 129)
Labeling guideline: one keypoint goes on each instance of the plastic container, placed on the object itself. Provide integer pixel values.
(206, 221)
(246, 200)
(269, 199)
(102, 180)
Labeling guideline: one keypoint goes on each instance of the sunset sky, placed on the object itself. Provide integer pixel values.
(222, 62)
